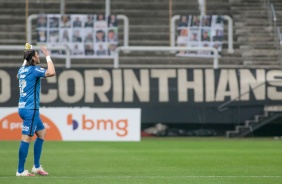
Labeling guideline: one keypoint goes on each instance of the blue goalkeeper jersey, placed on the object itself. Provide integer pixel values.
(29, 84)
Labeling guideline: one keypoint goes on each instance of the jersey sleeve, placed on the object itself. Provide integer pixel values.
(39, 72)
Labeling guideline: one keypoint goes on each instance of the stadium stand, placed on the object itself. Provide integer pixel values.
(149, 26)
(254, 35)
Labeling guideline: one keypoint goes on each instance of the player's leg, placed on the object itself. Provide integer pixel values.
(27, 133)
(23, 151)
(38, 144)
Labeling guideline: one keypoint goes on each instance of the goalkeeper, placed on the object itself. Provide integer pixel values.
(29, 76)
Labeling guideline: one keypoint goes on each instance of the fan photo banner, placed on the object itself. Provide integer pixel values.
(87, 36)
(200, 31)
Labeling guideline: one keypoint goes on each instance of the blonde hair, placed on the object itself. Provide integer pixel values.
(28, 54)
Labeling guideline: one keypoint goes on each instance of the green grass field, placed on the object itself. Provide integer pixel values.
(153, 160)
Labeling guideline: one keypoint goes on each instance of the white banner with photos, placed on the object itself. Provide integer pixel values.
(200, 31)
(86, 35)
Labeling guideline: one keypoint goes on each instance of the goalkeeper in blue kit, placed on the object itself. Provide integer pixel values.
(29, 76)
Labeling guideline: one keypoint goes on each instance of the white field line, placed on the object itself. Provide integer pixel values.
(135, 177)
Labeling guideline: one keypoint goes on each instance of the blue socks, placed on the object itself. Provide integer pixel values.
(37, 151)
(23, 150)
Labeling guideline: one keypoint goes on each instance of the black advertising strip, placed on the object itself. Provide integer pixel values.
(164, 95)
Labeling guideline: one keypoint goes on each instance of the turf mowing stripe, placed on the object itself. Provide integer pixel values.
(152, 177)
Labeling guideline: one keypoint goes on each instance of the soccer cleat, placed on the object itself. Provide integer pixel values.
(24, 173)
(39, 171)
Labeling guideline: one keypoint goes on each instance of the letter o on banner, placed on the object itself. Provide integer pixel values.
(78, 86)
(5, 86)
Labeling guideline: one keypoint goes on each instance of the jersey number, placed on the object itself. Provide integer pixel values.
(22, 86)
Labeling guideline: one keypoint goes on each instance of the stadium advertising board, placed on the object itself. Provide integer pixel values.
(77, 124)
(164, 95)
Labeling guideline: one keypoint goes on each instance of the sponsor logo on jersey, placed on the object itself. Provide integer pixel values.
(25, 128)
(40, 69)
(22, 76)
(22, 104)
(23, 70)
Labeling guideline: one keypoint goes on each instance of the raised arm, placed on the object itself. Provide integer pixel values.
(50, 66)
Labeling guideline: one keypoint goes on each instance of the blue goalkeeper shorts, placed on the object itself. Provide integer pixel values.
(31, 121)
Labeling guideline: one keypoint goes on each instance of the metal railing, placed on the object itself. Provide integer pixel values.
(62, 7)
(107, 8)
(202, 7)
(224, 107)
(279, 35)
(230, 31)
(271, 13)
(62, 48)
(156, 48)
(126, 48)
(272, 20)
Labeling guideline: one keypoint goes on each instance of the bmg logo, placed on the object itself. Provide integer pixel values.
(120, 126)
(72, 122)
